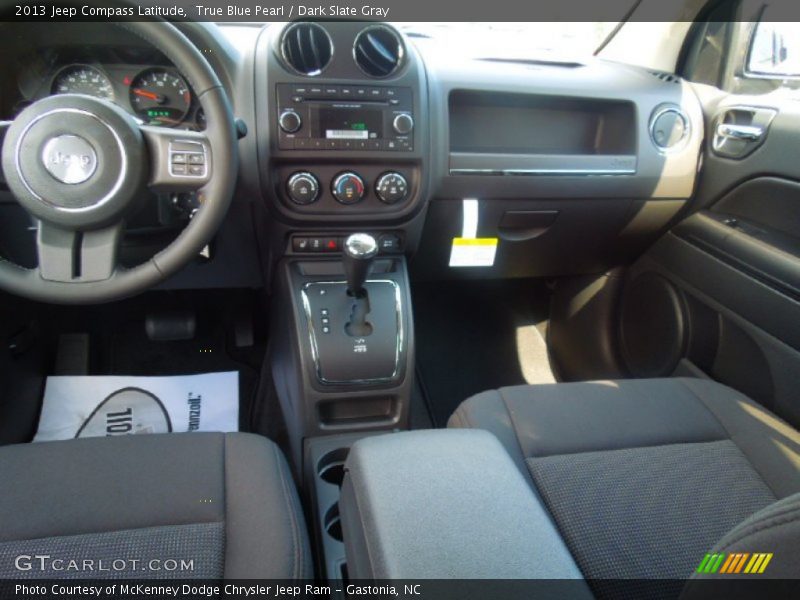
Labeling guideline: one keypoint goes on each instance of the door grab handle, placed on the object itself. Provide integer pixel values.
(747, 133)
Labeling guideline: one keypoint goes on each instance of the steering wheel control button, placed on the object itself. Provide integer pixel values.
(391, 188)
(403, 124)
(290, 121)
(303, 188)
(348, 188)
(69, 158)
(187, 159)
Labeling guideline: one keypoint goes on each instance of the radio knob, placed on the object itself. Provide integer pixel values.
(290, 121)
(303, 188)
(391, 187)
(403, 124)
(348, 188)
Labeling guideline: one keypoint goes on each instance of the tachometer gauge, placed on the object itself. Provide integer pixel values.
(160, 97)
(83, 79)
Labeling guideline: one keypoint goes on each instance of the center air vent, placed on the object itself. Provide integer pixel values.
(307, 48)
(378, 51)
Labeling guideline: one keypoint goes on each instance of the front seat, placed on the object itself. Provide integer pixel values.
(643, 478)
(193, 505)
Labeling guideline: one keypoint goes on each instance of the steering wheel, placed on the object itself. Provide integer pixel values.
(80, 165)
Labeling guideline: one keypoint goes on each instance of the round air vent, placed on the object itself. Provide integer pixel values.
(378, 51)
(306, 48)
(669, 127)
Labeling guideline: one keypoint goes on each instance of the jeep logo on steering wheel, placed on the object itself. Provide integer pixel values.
(69, 158)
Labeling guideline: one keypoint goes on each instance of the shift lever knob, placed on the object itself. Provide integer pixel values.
(359, 250)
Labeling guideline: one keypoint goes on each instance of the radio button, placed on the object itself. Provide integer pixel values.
(403, 124)
(290, 121)
(391, 188)
(348, 188)
(303, 188)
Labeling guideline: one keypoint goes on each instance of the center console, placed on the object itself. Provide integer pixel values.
(343, 153)
(343, 129)
(447, 504)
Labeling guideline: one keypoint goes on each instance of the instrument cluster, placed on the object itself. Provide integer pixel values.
(154, 95)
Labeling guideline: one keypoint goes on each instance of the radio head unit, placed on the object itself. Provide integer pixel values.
(345, 117)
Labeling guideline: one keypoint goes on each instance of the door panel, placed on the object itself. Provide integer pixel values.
(734, 263)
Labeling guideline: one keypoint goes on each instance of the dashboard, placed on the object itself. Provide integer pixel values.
(354, 126)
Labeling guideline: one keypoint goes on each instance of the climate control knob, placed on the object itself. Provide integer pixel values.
(391, 187)
(348, 188)
(303, 188)
(403, 124)
(290, 121)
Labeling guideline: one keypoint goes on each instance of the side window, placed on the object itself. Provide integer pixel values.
(708, 60)
(735, 47)
(772, 58)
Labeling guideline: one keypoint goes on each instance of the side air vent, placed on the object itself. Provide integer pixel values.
(378, 51)
(665, 77)
(306, 48)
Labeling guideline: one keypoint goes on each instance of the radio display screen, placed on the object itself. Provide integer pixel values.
(345, 124)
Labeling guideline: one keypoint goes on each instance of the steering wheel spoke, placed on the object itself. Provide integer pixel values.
(179, 160)
(70, 256)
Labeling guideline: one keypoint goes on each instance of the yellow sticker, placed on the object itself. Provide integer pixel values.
(473, 252)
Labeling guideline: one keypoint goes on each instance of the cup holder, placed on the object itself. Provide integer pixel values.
(331, 466)
(333, 525)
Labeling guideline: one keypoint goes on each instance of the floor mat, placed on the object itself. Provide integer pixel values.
(86, 406)
(477, 335)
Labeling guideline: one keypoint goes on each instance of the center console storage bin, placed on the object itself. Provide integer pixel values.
(440, 504)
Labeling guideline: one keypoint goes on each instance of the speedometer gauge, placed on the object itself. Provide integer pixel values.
(83, 79)
(160, 97)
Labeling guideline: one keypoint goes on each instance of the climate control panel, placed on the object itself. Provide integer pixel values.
(346, 188)
(303, 188)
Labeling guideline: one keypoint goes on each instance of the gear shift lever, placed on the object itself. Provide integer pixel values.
(359, 250)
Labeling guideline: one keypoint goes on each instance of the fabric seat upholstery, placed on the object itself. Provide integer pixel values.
(226, 502)
(643, 477)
